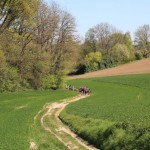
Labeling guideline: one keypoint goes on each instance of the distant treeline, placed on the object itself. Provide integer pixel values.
(105, 47)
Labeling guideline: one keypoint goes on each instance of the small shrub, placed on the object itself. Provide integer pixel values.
(9, 79)
(48, 82)
(92, 61)
(138, 55)
(53, 81)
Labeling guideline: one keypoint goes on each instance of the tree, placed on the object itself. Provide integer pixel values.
(14, 10)
(47, 20)
(92, 61)
(106, 39)
(103, 33)
(128, 41)
(142, 39)
(120, 54)
(64, 42)
(121, 38)
(90, 40)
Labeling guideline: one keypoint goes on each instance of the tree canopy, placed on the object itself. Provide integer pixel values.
(36, 43)
(142, 39)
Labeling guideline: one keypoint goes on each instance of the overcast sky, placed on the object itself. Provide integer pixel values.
(125, 15)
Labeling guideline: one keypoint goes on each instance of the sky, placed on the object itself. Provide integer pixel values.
(125, 15)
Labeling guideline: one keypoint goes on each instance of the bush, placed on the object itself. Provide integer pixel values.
(138, 55)
(92, 67)
(81, 69)
(53, 81)
(2, 59)
(9, 79)
(48, 82)
(92, 61)
(120, 54)
(60, 79)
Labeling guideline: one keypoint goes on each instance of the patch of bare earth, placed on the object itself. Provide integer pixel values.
(137, 67)
(51, 123)
(33, 146)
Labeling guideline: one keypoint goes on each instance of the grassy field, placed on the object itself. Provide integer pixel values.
(116, 115)
(17, 125)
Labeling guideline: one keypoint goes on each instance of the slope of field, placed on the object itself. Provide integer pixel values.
(18, 128)
(137, 67)
(116, 115)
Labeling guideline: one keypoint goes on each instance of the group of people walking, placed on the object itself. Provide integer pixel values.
(84, 90)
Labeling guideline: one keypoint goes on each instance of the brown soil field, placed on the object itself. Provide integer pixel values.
(137, 67)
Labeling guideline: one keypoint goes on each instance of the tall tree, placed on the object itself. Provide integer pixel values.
(64, 39)
(122, 38)
(12, 10)
(90, 39)
(142, 39)
(103, 33)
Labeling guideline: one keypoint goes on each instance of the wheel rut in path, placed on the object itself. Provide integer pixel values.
(51, 123)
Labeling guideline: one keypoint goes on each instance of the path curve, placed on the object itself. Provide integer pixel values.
(60, 130)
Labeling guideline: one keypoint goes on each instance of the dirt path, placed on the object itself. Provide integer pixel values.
(137, 67)
(51, 123)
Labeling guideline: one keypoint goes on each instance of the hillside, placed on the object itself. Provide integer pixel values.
(116, 115)
(137, 67)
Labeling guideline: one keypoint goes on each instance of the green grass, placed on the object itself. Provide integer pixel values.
(119, 105)
(17, 126)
